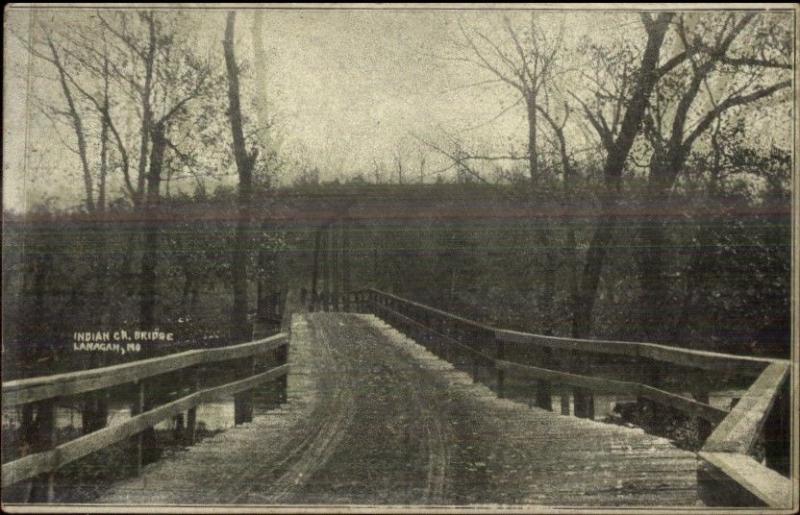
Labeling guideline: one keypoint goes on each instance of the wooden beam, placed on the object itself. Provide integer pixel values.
(35, 464)
(773, 489)
(743, 365)
(23, 391)
(739, 431)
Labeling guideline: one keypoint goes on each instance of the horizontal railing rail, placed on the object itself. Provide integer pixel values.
(744, 365)
(43, 391)
(728, 436)
(23, 391)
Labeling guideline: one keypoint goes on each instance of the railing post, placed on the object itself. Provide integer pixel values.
(777, 429)
(243, 401)
(543, 388)
(47, 438)
(654, 410)
(500, 353)
(474, 363)
(565, 402)
(283, 381)
(191, 415)
(94, 412)
(249, 395)
(584, 403)
(138, 408)
(704, 427)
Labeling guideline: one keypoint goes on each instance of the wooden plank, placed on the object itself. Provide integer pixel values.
(744, 365)
(740, 429)
(23, 391)
(36, 464)
(764, 483)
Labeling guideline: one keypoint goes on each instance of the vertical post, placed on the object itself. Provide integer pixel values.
(250, 394)
(584, 403)
(565, 402)
(47, 438)
(335, 268)
(191, 415)
(777, 430)
(501, 374)
(346, 265)
(180, 428)
(704, 427)
(241, 405)
(138, 408)
(582, 398)
(314, 270)
(326, 265)
(283, 381)
(543, 388)
(653, 409)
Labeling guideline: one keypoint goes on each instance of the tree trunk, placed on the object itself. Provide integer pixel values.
(77, 125)
(261, 103)
(315, 269)
(543, 232)
(346, 258)
(654, 242)
(150, 257)
(335, 269)
(244, 164)
(326, 265)
(188, 284)
(590, 278)
(617, 154)
(651, 263)
(101, 187)
(147, 113)
(533, 158)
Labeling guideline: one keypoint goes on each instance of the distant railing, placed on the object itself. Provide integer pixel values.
(728, 474)
(40, 394)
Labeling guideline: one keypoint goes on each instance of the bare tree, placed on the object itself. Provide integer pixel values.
(528, 67)
(628, 107)
(398, 165)
(51, 52)
(738, 81)
(244, 164)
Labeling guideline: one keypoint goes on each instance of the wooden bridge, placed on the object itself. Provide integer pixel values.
(388, 401)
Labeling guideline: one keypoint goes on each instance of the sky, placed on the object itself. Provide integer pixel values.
(348, 87)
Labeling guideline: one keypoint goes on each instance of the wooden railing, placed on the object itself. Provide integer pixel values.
(329, 301)
(248, 366)
(579, 368)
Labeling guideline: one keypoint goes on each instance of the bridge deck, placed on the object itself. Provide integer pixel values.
(373, 418)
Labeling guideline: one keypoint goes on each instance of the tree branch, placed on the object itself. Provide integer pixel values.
(728, 103)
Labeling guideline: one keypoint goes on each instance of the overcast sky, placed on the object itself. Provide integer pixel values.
(348, 86)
